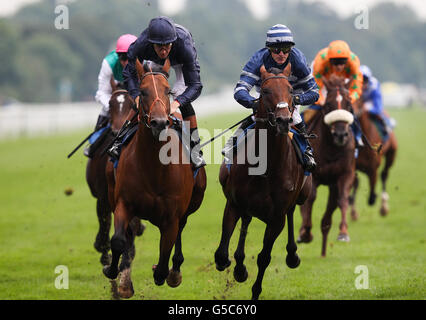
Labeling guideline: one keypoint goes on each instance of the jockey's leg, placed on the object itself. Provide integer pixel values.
(103, 120)
(188, 114)
(301, 127)
(230, 144)
(356, 129)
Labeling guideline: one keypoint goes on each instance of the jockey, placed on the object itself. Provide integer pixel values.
(109, 77)
(165, 39)
(278, 52)
(338, 59)
(372, 98)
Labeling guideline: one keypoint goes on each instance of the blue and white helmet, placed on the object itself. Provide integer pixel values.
(278, 34)
(366, 71)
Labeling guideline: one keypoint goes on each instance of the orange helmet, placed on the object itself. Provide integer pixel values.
(338, 49)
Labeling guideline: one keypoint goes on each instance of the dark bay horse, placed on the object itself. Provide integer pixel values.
(369, 160)
(120, 105)
(146, 187)
(269, 196)
(334, 152)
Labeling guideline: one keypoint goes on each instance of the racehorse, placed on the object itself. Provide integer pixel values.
(369, 159)
(268, 196)
(120, 105)
(334, 152)
(144, 186)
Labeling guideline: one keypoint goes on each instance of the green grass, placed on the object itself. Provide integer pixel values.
(41, 228)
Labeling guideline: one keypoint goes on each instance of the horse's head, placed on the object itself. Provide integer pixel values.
(120, 105)
(154, 103)
(337, 110)
(276, 102)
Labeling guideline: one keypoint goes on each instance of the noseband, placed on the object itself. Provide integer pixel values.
(271, 118)
(147, 116)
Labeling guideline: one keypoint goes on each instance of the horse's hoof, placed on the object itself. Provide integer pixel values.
(384, 210)
(293, 261)
(305, 239)
(126, 291)
(174, 279)
(109, 273)
(354, 215)
(221, 267)
(105, 259)
(240, 273)
(372, 199)
(343, 237)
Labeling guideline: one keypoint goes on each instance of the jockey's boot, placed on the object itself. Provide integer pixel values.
(196, 153)
(114, 150)
(310, 163)
(229, 145)
(102, 122)
(357, 133)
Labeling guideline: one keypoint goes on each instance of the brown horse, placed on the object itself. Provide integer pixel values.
(120, 105)
(272, 195)
(369, 160)
(146, 187)
(334, 152)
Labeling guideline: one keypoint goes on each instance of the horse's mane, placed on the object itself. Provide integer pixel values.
(153, 67)
(275, 71)
(336, 81)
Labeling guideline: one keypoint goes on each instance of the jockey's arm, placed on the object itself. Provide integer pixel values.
(191, 75)
(103, 94)
(249, 77)
(355, 89)
(130, 74)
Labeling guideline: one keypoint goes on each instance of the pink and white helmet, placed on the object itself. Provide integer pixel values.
(124, 42)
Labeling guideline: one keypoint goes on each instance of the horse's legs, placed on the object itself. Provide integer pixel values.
(230, 219)
(372, 179)
(326, 219)
(389, 159)
(174, 278)
(352, 199)
(118, 240)
(102, 243)
(125, 288)
(292, 258)
(344, 188)
(305, 234)
(273, 230)
(240, 270)
(169, 234)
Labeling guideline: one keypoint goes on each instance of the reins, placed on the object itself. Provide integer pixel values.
(271, 119)
(147, 116)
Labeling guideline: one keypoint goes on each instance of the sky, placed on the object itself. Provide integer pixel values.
(259, 8)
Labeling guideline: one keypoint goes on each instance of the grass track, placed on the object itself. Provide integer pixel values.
(41, 228)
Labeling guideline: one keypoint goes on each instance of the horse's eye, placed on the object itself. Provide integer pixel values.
(144, 93)
(266, 91)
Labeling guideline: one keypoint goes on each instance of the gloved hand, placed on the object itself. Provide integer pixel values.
(296, 100)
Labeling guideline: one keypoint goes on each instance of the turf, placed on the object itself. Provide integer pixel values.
(41, 228)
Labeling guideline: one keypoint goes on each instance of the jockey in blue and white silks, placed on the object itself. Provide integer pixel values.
(278, 52)
(372, 98)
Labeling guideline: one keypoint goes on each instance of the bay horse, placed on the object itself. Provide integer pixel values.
(119, 105)
(369, 160)
(270, 196)
(334, 151)
(144, 187)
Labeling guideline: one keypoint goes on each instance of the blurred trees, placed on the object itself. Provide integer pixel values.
(36, 57)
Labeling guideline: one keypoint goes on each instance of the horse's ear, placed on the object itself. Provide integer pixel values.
(166, 66)
(139, 68)
(287, 70)
(263, 71)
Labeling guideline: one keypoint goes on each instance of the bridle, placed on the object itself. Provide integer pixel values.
(271, 118)
(146, 117)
